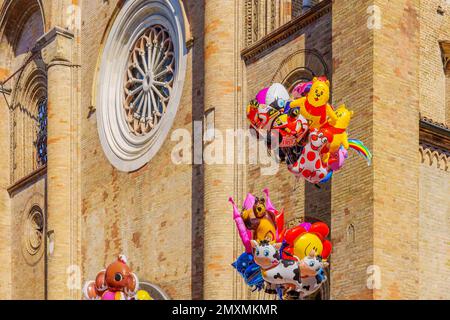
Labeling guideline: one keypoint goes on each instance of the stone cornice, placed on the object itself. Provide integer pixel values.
(250, 53)
(28, 180)
(434, 135)
(50, 36)
(55, 46)
(438, 125)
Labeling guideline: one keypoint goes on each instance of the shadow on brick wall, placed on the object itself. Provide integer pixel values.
(195, 14)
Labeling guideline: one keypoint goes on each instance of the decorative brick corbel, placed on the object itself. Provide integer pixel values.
(56, 47)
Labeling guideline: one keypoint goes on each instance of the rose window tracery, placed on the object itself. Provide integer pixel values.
(149, 80)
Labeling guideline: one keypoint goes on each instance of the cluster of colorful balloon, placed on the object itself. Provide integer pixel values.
(259, 220)
(117, 282)
(287, 262)
(311, 134)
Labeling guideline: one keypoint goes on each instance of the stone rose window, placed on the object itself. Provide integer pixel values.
(140, 81)
(149, 79)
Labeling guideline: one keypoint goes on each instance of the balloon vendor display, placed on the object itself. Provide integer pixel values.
(289, 263)
(258, 220)
(312, 134)
(116, 282)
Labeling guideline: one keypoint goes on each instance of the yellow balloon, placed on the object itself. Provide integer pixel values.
(143, 295)
(319, 95)
(266, 230)
(306, 243)
(119, 296)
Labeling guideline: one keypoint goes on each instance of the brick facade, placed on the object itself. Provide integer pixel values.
(174, 221)
(148, 222)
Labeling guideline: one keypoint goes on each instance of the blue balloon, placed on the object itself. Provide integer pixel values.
(328, 177)
(249, 271)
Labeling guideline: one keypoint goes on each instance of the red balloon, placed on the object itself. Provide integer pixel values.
(100, 282)
(288, 254)
(292, 234)
(327, 247)
(321, 229)
(90, 291)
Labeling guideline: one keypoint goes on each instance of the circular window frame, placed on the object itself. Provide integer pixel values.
(125, 150)
(33, 253)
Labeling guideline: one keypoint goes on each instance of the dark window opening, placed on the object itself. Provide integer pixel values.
(41, 136)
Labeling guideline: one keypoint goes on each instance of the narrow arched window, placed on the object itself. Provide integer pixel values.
(41, 133)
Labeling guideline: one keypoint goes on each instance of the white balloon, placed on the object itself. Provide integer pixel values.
(276, 91)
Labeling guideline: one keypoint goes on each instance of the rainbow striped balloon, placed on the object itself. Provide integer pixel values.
(361, 149)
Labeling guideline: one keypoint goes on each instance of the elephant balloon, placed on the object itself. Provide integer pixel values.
(116, 282)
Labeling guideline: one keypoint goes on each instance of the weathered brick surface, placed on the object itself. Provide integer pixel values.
(27, 275)
(380, 230)
(62, 177)
(145, 215)
(434, 223)
(5, 209)
(434, 207)
(11, 58)
(396, 174)
(174, 222)
(220, 93)
(352, 187)
(434, 93)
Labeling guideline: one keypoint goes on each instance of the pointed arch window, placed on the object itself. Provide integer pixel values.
(41, 134)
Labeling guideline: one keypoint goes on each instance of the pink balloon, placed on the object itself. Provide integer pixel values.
(300, 89)
(341, 156)
(261, 96)
(249, 201)
(245, 234)
(306, 226)
(269, 205)
(108, 295)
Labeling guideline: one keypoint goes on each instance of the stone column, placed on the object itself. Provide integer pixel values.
(375, 209)
(220, 93)
(5, 202)
(396, 146)
(57, 52)
(352, 187)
